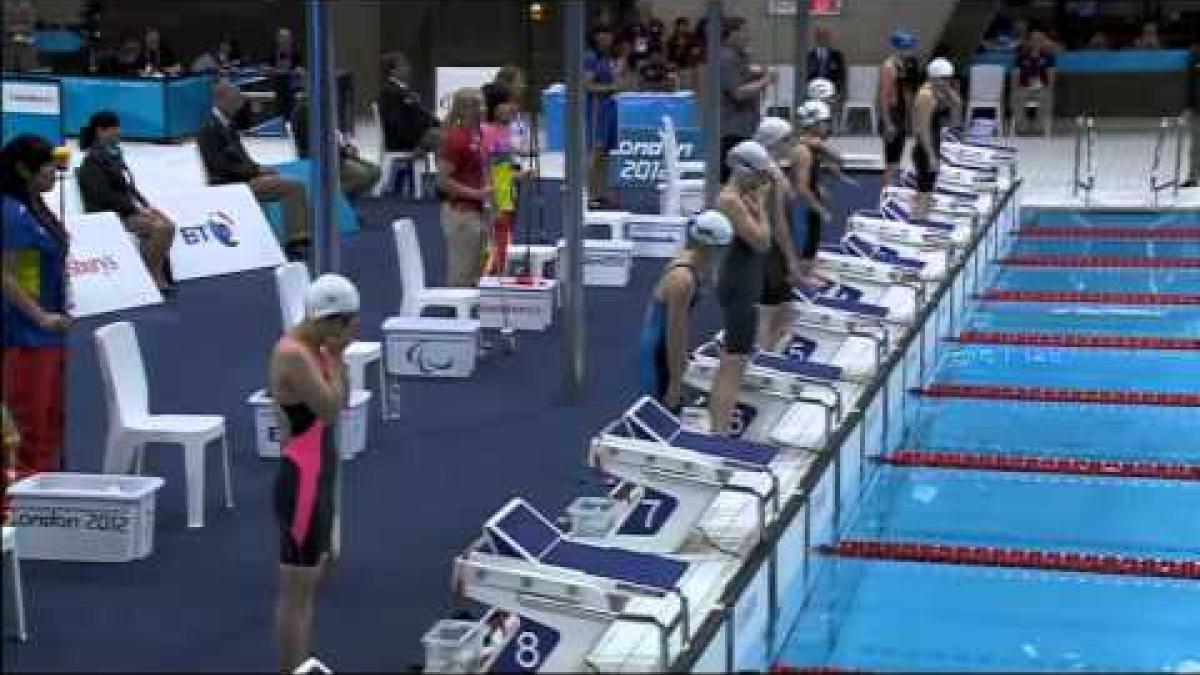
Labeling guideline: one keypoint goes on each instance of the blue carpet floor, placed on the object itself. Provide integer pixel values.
(204, 600)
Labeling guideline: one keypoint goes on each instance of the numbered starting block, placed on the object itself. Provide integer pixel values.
(517, 303)
(784, 401)
(598, 608)
(857, 302)
(894, 222)
(605, 262)
(684, 490)
(872, 251)
(942, 203)
(656, 236)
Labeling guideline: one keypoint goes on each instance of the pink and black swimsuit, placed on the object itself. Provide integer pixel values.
(304, 486)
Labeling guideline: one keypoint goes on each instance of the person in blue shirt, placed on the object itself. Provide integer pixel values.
(34, 303)
(663, 348)
(601, 71)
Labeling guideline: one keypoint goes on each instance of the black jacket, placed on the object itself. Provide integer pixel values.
(833, 69)
(106, 184)
(404, 120)
(225, 158)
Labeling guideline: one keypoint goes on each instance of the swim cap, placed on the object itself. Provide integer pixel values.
(821, 89)
(710, 228)
(903, 39)
(813, 113)
(940, 68)
(771, 132)
(329, 295)
(749, 157)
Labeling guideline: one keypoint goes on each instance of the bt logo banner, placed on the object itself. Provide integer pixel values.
(225, 231)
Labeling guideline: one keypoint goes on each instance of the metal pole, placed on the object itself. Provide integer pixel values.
(575, 365)
(1078, 153)
(712, 104)
(323, 174)
(1178, 177)
(800, 57)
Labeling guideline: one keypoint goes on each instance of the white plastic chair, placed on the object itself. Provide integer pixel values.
(987, 93)
(862, 88)
(291, 281)
(14, 593)
(131, 426)
(416, 298)
(387, 160)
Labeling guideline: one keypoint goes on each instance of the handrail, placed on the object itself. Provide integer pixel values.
(762, 553)
(1181, 126)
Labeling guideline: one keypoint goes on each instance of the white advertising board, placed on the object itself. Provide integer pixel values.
(221, 230)
(106, 271)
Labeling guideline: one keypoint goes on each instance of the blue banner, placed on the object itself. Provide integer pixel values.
(637, 161)
(151, 108)
(32, 106)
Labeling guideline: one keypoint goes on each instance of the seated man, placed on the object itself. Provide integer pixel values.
(226, 161)
(356, 174)
(1033, 82)
(407, 125)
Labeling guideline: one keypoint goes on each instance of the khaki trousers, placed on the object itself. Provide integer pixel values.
(463, 228)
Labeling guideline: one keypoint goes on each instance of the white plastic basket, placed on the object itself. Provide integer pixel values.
(592, 516)
(352, 427)
(82, 517)
(452, 647)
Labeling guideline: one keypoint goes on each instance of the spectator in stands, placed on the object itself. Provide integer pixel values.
(407, 125)
(1099, 40)
(128, 58)
(33, 245)
(226, 55)
(356, 174)
(1193, 97)
(1148, 39)
(20, 53)
(742, 86)
(1001, 32)
(1033, 82)
(826, 61)
(679, 44)
(106, 184)
(286, 64)
(601, 70)
(156, 58)
(462, 186)
(226, 161)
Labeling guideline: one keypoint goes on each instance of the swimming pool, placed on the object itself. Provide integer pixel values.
(897, 614)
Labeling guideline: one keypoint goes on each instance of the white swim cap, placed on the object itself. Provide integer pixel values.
(821, 89)
(772, 131)
(329, 295)
(940, 67)
(749, 157)
(710, 228)
(813, 113)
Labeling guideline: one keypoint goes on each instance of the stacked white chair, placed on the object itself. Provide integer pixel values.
(387, 161)
(987, 93)
(131, 425)
(862, 84)
(416, 298)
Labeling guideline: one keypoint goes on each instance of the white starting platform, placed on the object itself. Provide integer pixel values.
(519, 303)
(585, 605)
(686, 491)
(606, 263)
(879, 257)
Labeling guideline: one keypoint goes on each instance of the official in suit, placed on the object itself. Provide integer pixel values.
(226, 161)
(827, 62)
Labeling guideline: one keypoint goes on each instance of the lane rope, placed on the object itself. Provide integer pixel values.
(1098, 261)
(1121, 233)
(1058, 395)
(1078, 340)
(1028, 463)
(1092, 297)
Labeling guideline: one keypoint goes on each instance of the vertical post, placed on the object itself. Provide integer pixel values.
(712, 103)
(1180, 130)
(575, 366)
(323, 175)
(800, 56)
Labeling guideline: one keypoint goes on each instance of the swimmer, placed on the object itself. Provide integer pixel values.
(665, 331)
(934, 110)
(893, 103)
(743, 201)
(783, 267)
(309, 386)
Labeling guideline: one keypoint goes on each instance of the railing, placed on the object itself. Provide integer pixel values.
(1085, 157)
(774, 583)
(1174, 128)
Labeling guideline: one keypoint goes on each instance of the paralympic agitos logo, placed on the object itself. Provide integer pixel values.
(218, 226)
(428, 358)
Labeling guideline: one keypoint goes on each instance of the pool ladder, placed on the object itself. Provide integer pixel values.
(1175, 128)
(1085, 158)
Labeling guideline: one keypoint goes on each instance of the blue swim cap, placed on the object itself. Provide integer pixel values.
(903, 39)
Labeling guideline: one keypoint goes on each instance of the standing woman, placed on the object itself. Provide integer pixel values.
(462, 186)
(106, 184)
(35, 321)
(308, 384)
(935, 109)
(742, 200)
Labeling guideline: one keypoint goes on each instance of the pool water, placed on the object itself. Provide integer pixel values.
(910, 616)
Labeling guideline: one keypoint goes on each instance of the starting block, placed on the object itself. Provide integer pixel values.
(517, 303)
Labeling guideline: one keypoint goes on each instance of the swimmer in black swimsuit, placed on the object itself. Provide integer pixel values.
(935, 109)
(308, 383)
(893, 102)
(743, 200)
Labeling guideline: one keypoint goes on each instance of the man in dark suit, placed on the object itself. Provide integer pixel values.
(827, 62)
(407, 125)
(226, 161)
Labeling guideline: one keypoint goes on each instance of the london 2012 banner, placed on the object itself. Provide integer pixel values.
(816, 7)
